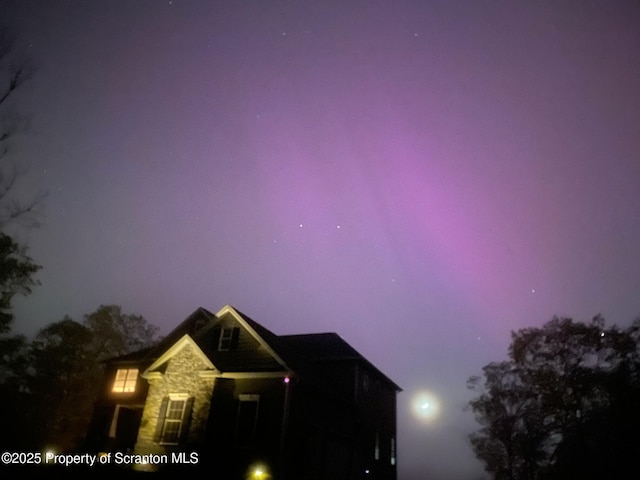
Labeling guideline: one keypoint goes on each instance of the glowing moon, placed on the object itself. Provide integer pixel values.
(425, 405)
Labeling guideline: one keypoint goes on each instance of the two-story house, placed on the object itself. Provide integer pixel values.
(243, 402)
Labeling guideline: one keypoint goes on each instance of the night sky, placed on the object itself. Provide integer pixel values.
(421, 177)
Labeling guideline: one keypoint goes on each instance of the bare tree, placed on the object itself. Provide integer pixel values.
(17, 269)
(14, 72)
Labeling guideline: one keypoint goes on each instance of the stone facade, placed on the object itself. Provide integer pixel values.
(185, 373)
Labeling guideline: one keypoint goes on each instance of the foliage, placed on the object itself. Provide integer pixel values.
(116, 333)
(61, 369)
(16, 277)
(62, 379)
(14, 373)
(561, 406)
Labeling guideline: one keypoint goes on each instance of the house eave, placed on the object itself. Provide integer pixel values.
(173, 350)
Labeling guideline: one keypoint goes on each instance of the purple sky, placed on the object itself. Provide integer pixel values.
(420, 177)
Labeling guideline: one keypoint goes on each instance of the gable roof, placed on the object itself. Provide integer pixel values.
(326, 349)
(285, 353)
(185, 341)
(190, 325)
(312, 348)
(265, 338)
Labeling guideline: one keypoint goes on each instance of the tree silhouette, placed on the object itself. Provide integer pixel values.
(58, 375)
(561, 406)
(17, 272)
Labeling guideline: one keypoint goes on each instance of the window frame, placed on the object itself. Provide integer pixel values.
(169, 418)
(126, 380)
(226, 339)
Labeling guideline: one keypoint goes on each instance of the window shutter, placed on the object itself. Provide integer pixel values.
(186, 420)
(235, 333)
(161, 417)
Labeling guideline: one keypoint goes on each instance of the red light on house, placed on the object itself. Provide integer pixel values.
(287, 379)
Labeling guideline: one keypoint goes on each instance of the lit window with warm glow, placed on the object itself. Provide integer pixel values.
(125, 380)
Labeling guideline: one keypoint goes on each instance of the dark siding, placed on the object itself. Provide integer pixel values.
(246, 353)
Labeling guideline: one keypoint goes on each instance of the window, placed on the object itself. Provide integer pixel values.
(172, 421)
(247, 420)
(392, 459)
(227, 337)
(125, 380)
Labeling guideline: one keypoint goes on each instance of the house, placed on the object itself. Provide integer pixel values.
(222, 394)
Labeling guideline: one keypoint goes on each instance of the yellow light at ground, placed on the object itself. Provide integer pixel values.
(258, 472)
(425, 405)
